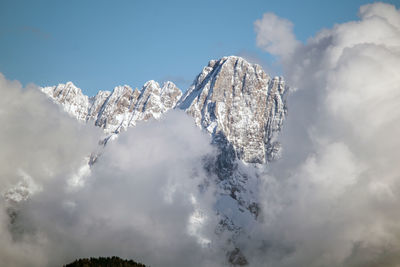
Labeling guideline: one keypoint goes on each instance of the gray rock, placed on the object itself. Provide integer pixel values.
(239, 101)
(117, 110)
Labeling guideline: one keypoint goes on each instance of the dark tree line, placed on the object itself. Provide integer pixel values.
(104, 262)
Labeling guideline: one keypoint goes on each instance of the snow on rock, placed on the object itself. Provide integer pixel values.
(230, 98)
(117, 110)
(243, 109)
(239, 101)
(71, 99)
(155, 101)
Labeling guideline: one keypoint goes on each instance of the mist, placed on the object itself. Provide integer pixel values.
(140, 200)
(36, 141)
(335, 191)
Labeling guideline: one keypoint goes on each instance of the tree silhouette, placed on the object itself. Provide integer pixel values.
(104, 262)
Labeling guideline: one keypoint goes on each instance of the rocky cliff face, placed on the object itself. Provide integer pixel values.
(237, 101)
(117, 110)
(243, 109)
(70, 98)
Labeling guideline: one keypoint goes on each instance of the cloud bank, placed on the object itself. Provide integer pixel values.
(335, 193)
(140, 200)
(36, 141)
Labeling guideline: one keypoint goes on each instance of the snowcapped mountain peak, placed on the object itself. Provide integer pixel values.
(231, 98)
(121, 89)
(151, 85)
(119, 109)
(70, 83)
(63, 90)
(238, 101)
(155, 100)
(71, 98)
(168, 87)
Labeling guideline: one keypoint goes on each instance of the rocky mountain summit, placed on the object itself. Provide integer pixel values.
(235, 101)
(239, 102)
(119, 109)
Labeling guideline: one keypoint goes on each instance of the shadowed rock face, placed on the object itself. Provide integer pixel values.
(240, 101)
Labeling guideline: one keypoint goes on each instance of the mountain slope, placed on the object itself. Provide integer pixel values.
(236, 100)
(119, 109)
(243, 109)
(237, 103)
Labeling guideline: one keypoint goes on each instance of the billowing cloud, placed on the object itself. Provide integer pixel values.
(36, 141)
(140, 200)
(275, 35)
(335, 192)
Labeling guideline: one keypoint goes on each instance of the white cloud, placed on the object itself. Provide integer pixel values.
(275, 35)
(138, 201)
(36, 141)
(336, 188)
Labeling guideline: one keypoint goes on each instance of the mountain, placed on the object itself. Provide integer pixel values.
(236, 102)
(119, 109)
(243, 109)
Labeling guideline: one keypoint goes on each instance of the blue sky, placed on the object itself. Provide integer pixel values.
(101, 44)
